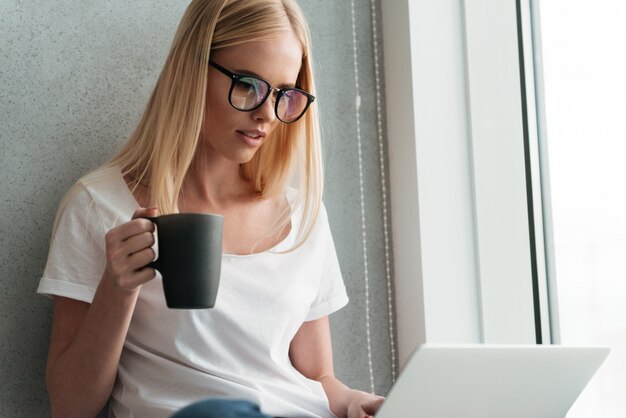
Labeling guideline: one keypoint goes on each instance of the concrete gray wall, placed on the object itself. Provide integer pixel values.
(74, 78)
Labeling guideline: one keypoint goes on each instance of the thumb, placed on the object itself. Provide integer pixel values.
(146, 212)
(372, 406)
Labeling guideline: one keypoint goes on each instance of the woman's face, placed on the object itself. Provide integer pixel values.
(237, 135)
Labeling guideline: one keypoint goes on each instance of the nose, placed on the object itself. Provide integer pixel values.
(266, 112)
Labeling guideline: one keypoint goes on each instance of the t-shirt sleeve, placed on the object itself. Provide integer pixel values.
(77, 258)
(332, 294)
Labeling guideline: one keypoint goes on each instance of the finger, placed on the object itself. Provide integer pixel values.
(372, 406)
(145, 212)
(145, 275)
(357, 411)
(137, 278)
(138, 242)
(365, 413)
(141, 259)
(138, 220)
(116, 236)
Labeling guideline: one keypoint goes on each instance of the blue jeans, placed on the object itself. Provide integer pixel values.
(221, 408)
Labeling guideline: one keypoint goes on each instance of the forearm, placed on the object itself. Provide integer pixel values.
(336, 392)
(81, 377)
(345, 402)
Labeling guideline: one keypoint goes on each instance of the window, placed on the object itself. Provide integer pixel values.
(584, 67)
(457, 169)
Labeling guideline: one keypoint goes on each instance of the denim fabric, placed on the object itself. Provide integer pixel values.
(221, 408)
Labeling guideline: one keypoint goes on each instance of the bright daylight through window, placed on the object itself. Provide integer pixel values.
(584, 66)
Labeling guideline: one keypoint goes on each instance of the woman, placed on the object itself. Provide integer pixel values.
(230, 122)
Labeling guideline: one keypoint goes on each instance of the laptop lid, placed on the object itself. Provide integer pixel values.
(499, 381)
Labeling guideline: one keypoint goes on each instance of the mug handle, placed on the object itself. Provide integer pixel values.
(155, 220)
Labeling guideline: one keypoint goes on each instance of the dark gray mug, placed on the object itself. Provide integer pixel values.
(190, 258)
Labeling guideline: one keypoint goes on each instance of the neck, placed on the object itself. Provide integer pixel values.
(215, 182)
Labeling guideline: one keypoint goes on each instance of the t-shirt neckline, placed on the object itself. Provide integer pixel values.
(273, 250)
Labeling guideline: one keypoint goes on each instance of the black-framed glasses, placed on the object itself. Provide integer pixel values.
(248, 93)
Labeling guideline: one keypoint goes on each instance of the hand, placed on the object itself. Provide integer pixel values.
(128, 251)
(362, 404)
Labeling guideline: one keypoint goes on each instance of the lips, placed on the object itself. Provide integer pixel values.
(252, 138)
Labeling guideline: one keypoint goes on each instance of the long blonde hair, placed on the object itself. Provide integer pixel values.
(160, 151)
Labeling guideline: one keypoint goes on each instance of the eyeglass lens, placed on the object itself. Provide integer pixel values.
(291, 105)
(248, 92)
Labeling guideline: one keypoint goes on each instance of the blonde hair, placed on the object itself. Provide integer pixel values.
(160, 151)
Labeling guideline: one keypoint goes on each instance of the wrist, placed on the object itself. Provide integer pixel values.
(337, 394)
(109, 286)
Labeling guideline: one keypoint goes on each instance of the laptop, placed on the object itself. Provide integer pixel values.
(491, 381)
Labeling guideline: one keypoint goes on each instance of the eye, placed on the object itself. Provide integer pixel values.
(247, 83)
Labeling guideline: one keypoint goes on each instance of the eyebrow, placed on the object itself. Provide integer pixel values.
(253, 74)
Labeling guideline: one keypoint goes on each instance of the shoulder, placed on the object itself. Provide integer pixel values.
(91, 188)
(103, 179)
(296, 199)
(102, 194)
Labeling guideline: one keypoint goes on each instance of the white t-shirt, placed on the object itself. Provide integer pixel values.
(238, 349)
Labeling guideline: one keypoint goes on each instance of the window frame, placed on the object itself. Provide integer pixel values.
(467, 202)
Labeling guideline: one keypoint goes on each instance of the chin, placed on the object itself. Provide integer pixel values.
(243, 158)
